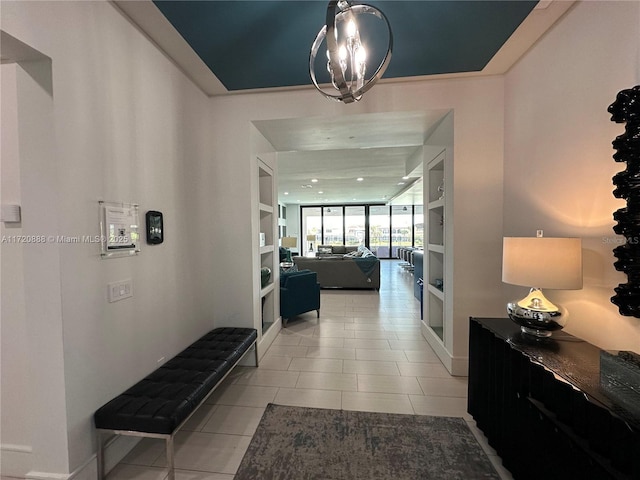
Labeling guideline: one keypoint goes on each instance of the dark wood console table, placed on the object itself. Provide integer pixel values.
(541, 406)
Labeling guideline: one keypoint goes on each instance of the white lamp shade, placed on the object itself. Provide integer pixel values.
(289, 242)
(546, 262)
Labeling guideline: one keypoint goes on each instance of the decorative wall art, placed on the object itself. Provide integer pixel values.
(626, 109)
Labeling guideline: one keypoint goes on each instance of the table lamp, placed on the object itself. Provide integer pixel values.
(311, 239)
(289, 242)
(541, 262)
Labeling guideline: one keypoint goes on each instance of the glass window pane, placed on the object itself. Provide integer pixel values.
(354, 225)
(332, 232)
(379, 229)
(311, 228)
(418, 226)
(401, 228)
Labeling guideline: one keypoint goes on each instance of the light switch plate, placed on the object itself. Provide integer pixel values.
(117, 291)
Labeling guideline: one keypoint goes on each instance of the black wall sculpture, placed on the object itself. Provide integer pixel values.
(626, 108)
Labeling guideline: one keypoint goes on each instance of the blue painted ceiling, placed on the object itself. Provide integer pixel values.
(262, 44)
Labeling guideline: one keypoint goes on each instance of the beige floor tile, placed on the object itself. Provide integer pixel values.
(234, 420)
(444, 387)
(146, 452)
(329, 320)
(326, 365)
(376, 402)
(301, 397)
(364, 326)
(322, 342)
(372, 319)
(436, 370)
(268, 378)
(413, 329)
(412, 345)
(246, 396)
(328, 381)
(441, 406)
(208, 452)
(300, 327)
(369, 367)
(388, 384)
(330, 352)
(408, 335)
(135, 472)
(375, 334)
(380, 355)
(335, 333)
(377, 344)
(290, 340)
(200, 417)
(275, 362)
(422, 356)
(287, 350)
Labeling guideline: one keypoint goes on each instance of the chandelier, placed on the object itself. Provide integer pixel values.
(347, 57)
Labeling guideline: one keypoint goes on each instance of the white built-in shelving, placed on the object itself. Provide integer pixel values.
(268, 315)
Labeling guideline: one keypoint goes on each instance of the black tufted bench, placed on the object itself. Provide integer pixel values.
(158, 405)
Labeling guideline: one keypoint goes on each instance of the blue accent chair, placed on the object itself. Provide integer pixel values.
(299, 293)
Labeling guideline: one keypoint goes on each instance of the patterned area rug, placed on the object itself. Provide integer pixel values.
(295, 443)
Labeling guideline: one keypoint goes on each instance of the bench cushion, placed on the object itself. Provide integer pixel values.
(160, 402)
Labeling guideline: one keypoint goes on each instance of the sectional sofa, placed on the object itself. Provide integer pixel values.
(343, 270)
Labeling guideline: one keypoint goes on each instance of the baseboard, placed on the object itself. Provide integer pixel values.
(460, 366)
(15, 460)
(115, 450)
(457, 366)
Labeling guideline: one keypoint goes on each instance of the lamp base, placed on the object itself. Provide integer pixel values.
(536, 315)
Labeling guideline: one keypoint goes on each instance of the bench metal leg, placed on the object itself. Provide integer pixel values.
(100, 454)
(255, 348)
(170, 459)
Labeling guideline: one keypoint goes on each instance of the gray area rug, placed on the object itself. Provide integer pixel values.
(295, 443)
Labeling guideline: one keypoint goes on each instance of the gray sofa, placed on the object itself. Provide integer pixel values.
(327, 250)
(343, 272)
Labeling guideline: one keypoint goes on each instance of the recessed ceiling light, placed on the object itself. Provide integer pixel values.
(359, 179)
(320, 192)
(286, 193)
(405, 178)
(306, 186)
(400, 183)
(314, 180)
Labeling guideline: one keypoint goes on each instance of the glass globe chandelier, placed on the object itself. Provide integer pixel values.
(346, 54)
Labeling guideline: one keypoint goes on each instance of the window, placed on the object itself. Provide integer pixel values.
(381, 228)
(355, 228)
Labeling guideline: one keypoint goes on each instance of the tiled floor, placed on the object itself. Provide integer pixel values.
(364, 353)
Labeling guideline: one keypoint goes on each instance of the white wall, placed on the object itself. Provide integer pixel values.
(558, 154)
(14, 362)
(126, 126)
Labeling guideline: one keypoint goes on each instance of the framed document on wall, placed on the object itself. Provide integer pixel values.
(119, 224)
